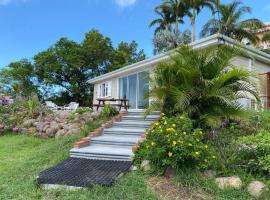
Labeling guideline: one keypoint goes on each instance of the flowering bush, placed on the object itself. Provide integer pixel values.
(173, 142)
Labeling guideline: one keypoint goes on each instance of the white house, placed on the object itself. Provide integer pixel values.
(131, 82)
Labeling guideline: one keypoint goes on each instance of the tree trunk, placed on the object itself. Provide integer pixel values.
(193, 37)
(176, 25)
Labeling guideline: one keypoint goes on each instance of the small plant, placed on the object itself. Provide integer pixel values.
(254, 153)
(109, 111)
(173, 142)
(83, 110)
(32, 106)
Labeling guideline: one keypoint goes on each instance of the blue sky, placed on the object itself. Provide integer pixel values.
(30, 26)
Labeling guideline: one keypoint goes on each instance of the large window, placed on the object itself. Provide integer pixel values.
(135, 87)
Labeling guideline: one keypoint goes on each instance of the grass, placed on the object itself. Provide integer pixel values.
(23, 157)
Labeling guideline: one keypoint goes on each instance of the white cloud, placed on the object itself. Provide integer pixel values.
(7, 2)
(125, 3)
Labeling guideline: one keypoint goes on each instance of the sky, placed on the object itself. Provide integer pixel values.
(30, 26)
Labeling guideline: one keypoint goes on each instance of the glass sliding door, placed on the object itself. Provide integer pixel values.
(135, 88)
(132, 91)
(143, 90)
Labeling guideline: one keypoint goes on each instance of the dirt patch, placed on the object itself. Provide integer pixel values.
(168, 189)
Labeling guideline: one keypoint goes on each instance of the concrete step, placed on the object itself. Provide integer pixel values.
(96, 151)
(130, 123)
(142, 112)
(150, 118)
(119, 141)
(124, 131)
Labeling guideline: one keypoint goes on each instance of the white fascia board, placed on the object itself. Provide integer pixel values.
(213, 40)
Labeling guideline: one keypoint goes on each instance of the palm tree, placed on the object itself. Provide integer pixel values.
(203, 84)
(230, 23)
(196, 7)
(163, 22)
(177, 9)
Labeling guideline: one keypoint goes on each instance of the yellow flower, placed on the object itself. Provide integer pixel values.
(163, 114)
(174, 125)
(214, 157)
(181, 117)
(200, 132)
(156, 123)
(184, 133)
(170, 154)
(197, 153)
(170, 129)
(146, 133)
(153, 143)
(206, 146)
(189, 144)
(205, 160)
(174, 143)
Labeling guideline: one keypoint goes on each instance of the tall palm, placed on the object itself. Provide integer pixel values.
(177, 8)
(204, 84)
(163, 22)
(195, 7)
(230, 23)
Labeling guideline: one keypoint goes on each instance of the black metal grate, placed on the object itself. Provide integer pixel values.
(81, 172)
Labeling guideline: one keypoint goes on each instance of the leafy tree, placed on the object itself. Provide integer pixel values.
(63, 66)
(166, 40)
(19, 77)
(97, 52)
(204, 84)
(126, 54)
(266, 37)
(230, 24)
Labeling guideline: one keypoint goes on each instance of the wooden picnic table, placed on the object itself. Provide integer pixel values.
(102, 102)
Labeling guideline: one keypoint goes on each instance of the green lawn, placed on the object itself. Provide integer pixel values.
(23, 157)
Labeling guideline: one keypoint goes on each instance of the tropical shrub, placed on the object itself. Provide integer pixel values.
(254, 152)
(173, 142)
(204, 84)
(109, 111)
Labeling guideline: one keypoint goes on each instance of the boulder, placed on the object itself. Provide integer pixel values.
(74, 132)
(28, 123)
(31, 130)
(209, 174)
(45, 127)
(233, 182)
(170, 172)
(256, 188)
(145, 165)
(60, 133)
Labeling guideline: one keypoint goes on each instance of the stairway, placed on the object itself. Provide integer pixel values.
(116, 142)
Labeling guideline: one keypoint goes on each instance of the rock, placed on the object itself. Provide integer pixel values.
(256, 188)
(28, 123)
(134, 168)
(45, 127)
(170, 172)
(23, 130)
(95, 115)
(2, 126)
(209, 174)
(60, 133)
(73, 132)
(52, 130)
(233, 182)
(31, 130)
(16, 130)
(146, 165)
(40, 126)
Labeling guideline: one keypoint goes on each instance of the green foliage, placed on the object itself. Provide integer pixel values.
(32, 105)
(82, 110)
(254, 156)
(230, 24)
(173, 142)
(203, 84)
(18, 78)
(126, 54)
(109, 111)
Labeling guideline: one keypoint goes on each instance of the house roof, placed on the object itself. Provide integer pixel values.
(213, 40)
